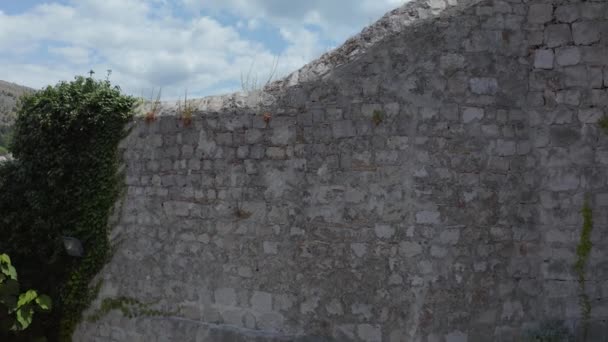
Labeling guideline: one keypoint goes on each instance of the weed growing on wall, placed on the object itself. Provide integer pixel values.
(377, 117)
(64, 181)
(155, 104)
(604, 124)
(583, 250)
(186, 111)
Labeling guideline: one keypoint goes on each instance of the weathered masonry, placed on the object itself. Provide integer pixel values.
(423, 182)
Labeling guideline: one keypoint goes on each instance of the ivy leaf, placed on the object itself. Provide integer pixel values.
(24, 317)
(6, 267)
(44, 302)
(26, 298)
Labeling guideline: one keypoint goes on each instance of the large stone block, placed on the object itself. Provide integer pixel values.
(558, 35)
(540, 13)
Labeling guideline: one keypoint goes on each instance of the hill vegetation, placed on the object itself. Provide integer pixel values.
(9, 96)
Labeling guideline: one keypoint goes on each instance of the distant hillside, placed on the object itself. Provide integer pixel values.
(9, 94)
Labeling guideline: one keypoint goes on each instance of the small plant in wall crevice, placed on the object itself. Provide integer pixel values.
(267, 117)
(186, 111)
(377, 117)
(151, 114)
(583, 251)
(241, 213)
(604, 124)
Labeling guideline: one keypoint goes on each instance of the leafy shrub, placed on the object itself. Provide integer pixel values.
(64, 181)
(17, 310)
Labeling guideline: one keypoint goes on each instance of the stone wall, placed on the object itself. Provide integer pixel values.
(427, 187)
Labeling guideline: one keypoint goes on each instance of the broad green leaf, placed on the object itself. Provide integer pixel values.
(44, 302)
(24, 316)
(26, 298)
(5, 259)
(8, 270)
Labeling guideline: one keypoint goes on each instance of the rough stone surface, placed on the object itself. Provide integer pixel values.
(455, 218)
(544, 59)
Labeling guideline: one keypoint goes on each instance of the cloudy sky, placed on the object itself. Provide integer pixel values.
(200, 45)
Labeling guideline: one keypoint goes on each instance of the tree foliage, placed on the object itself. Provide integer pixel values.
(63, 181)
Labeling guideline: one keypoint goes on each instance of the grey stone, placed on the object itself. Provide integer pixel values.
(225, 296)
(459, 209)
(593, 10)
(568, 56)
(410, 249)
(369, 333)
(567, 13)
(359, 249)
(334, 308)
(505, 147)
(558, 35)
(590, 116)
(484, 85)
(384, 231)
(512, 310)
(470, 114)
(595, 55)
(540, 13)
(585, 33)
(342, 129)
(596, 77)
(575, 76)
(543, 59)
(456, 336)
(270, 247)
(426, 216)
(261, 301)
(253, 136)
(449, 236)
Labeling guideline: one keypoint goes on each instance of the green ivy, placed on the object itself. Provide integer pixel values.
(129, 307)
(64, 181)
(583, 250)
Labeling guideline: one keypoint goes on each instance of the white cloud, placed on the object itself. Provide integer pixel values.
(338, 19)
(147, 46)
(73, 54)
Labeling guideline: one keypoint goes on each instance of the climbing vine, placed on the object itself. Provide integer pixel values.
(64, 181)
(129, 307)
(583, 250)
